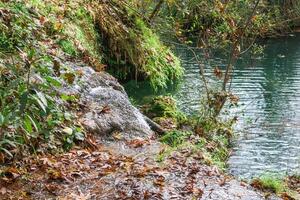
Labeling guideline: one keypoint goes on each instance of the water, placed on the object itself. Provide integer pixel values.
(269, 107)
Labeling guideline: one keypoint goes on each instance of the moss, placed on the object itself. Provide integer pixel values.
(164, 107)
(161, 65)
(81, 29)
(205, 135)
(270, 183)
(68, 47)
(133, 50)
(175, 138)
(214, 150)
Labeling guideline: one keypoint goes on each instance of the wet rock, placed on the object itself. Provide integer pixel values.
(108, 109)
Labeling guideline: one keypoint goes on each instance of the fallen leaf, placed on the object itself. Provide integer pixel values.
(218, 73)
(3, 190)
(68, 130)
(69, 77)
(136, 143)
(117, 135)
(105, 109)
(160, 181)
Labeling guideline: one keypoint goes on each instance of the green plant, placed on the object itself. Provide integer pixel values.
(68, 47)
(31, 118)
(133, 50)
(162, 107)
(175, 138)
(269, 182)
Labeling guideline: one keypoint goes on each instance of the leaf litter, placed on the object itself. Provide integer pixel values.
(100, 171)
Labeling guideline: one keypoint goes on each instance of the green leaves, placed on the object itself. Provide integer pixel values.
(30, 109)
(2, 120)
(72, 135)
(52, 81)
(41, 100)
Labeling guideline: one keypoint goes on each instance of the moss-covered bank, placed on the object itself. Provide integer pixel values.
(200, 135)
(39, 39)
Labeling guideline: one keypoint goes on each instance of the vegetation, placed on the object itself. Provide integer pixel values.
(271, 183)
(30, 117)
(39, 39)
(283, 187)
(35, 36)
(133, 50)
(198, 134)
(163, 109)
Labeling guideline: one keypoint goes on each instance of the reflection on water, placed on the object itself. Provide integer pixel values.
(269, 91)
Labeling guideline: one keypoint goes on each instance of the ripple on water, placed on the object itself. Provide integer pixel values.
(269, 111)
(269, 92)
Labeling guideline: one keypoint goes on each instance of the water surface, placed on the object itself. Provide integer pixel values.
(268, 111)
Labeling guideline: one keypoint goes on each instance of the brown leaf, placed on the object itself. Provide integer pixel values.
(286, 196)
(117, 135)
(105, 109)
(222, 182)
(42, 20)
(69, 77)
(56, 67)
(160, 181)
(197, 192)
(170, 58)
(58, 26)
(52, 187)
(199, 130)
(3, 190)
(218, 73)
(137, 143)
(55, 174)
(2, 158)
(234, 99)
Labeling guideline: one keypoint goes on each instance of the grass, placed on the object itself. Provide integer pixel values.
(284, 187)
(209, 137)
(175, 138)
(68, 47)
(270, 182)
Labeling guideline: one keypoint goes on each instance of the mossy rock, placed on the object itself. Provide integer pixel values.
(164, 108)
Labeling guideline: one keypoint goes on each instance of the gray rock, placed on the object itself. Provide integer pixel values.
(108, 109)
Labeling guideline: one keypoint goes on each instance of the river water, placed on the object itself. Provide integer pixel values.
(268, 129)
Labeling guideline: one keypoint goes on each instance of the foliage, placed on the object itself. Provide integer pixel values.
(192, 133)
(163, 108)
(30, 117)
(133, 49)
(285, 187)
(268, 182)
(175, 138)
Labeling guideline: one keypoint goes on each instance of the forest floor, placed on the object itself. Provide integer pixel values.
(111, 170)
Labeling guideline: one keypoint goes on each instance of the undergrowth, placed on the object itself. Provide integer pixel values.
(132, 48)
(198, 134)
(284, 187)
(31, 120)
(36, 35)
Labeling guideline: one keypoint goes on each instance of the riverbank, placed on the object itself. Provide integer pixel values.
(103, 172)
(120, 157)
(68, 129)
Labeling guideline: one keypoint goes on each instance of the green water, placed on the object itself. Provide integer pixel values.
(268, 111)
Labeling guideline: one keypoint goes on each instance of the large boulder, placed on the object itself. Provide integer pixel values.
(107, 107)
